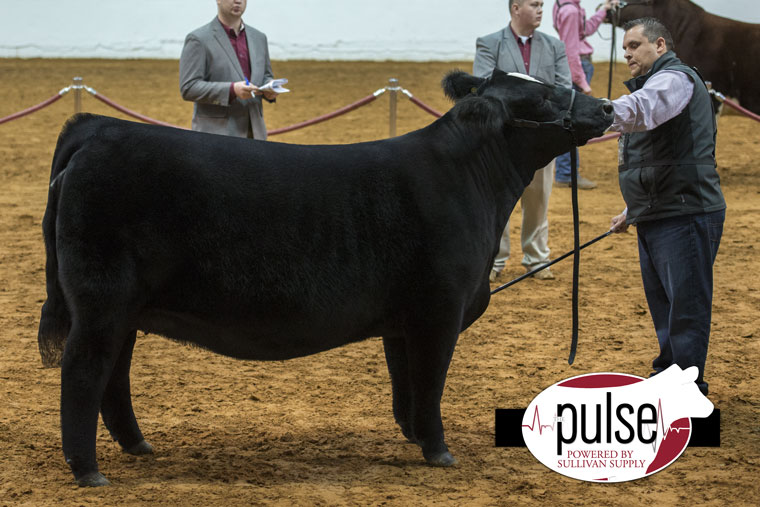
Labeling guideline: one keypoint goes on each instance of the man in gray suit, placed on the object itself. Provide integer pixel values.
(221, 68)
(519, 47)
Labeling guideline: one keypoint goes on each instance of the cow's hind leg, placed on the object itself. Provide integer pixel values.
(92, 350)
(395, 357)
(116, 407)
(428, 355)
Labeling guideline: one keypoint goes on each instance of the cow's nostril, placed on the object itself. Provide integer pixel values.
(607, 108)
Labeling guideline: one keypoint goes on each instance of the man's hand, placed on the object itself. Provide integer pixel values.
(268, 94)
(609, 4)
(244, 91)
(587, 90)
(617, 224)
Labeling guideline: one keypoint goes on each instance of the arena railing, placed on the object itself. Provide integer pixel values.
(393, 89)
(39, 106)
(319, 119)
(129, 112)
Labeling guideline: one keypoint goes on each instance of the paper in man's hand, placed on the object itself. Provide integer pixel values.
(275, 85)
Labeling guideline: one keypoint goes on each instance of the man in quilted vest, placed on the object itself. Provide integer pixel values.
(668, 178)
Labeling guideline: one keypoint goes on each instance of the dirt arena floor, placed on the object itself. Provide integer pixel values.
(319, 430)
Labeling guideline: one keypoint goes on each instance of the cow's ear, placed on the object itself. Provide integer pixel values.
(457, 85)
(485, 112)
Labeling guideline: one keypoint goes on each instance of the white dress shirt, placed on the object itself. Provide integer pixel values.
(662, 98)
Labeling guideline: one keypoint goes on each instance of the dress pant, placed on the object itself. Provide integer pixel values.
(676, 256)
(534, 232)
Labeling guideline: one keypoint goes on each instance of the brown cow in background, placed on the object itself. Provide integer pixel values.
(726, 52)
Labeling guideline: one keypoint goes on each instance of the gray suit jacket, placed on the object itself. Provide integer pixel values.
(548, 61)
(207, 67)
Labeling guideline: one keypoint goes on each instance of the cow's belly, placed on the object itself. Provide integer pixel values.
(250, 340)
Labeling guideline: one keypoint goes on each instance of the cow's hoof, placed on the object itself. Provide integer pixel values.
(140, 448)
(93, 480)
(444, 459)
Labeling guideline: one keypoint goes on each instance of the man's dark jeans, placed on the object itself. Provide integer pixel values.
(676, 256)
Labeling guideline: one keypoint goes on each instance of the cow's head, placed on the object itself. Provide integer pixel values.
(523, 107)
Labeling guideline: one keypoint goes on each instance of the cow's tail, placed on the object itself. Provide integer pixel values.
(55, 321)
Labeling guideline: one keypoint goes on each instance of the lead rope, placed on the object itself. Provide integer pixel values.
(566, 123)
(576, 227)
(576, 251)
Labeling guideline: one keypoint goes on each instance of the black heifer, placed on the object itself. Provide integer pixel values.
(725, 51)
(267, 251)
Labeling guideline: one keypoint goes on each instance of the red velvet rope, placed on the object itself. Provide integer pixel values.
(731, 103)
(343, 110)
(31, 109)
(359, 103)
(289, 128)
(129, 112)
(424, 106)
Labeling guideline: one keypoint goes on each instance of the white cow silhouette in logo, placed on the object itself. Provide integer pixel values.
(678, 398)
(678, 395)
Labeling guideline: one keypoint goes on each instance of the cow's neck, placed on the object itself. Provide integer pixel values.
(507, 177)
(502, 180)
(499, 167)
(516, 160)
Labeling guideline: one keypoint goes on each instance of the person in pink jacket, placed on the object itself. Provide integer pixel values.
(573, 28)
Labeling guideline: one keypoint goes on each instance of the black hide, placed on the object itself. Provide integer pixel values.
(262, 250)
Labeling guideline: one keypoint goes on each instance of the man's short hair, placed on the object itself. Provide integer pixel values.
(653, 30)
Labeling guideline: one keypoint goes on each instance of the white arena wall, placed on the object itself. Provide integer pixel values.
(414, 30)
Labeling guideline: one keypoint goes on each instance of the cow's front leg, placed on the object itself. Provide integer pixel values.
(116, 407)
(88, 360)
(429, 355)
(398, 368)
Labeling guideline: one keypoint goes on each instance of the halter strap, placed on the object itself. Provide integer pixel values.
(566, 121)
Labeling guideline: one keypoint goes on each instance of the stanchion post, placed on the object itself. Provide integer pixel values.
(393, 87)
(716, 102)
(77, 86)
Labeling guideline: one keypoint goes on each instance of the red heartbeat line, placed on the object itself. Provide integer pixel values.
(541, 427)
(660, 423)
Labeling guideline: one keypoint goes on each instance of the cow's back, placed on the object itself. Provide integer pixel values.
(230, 241)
